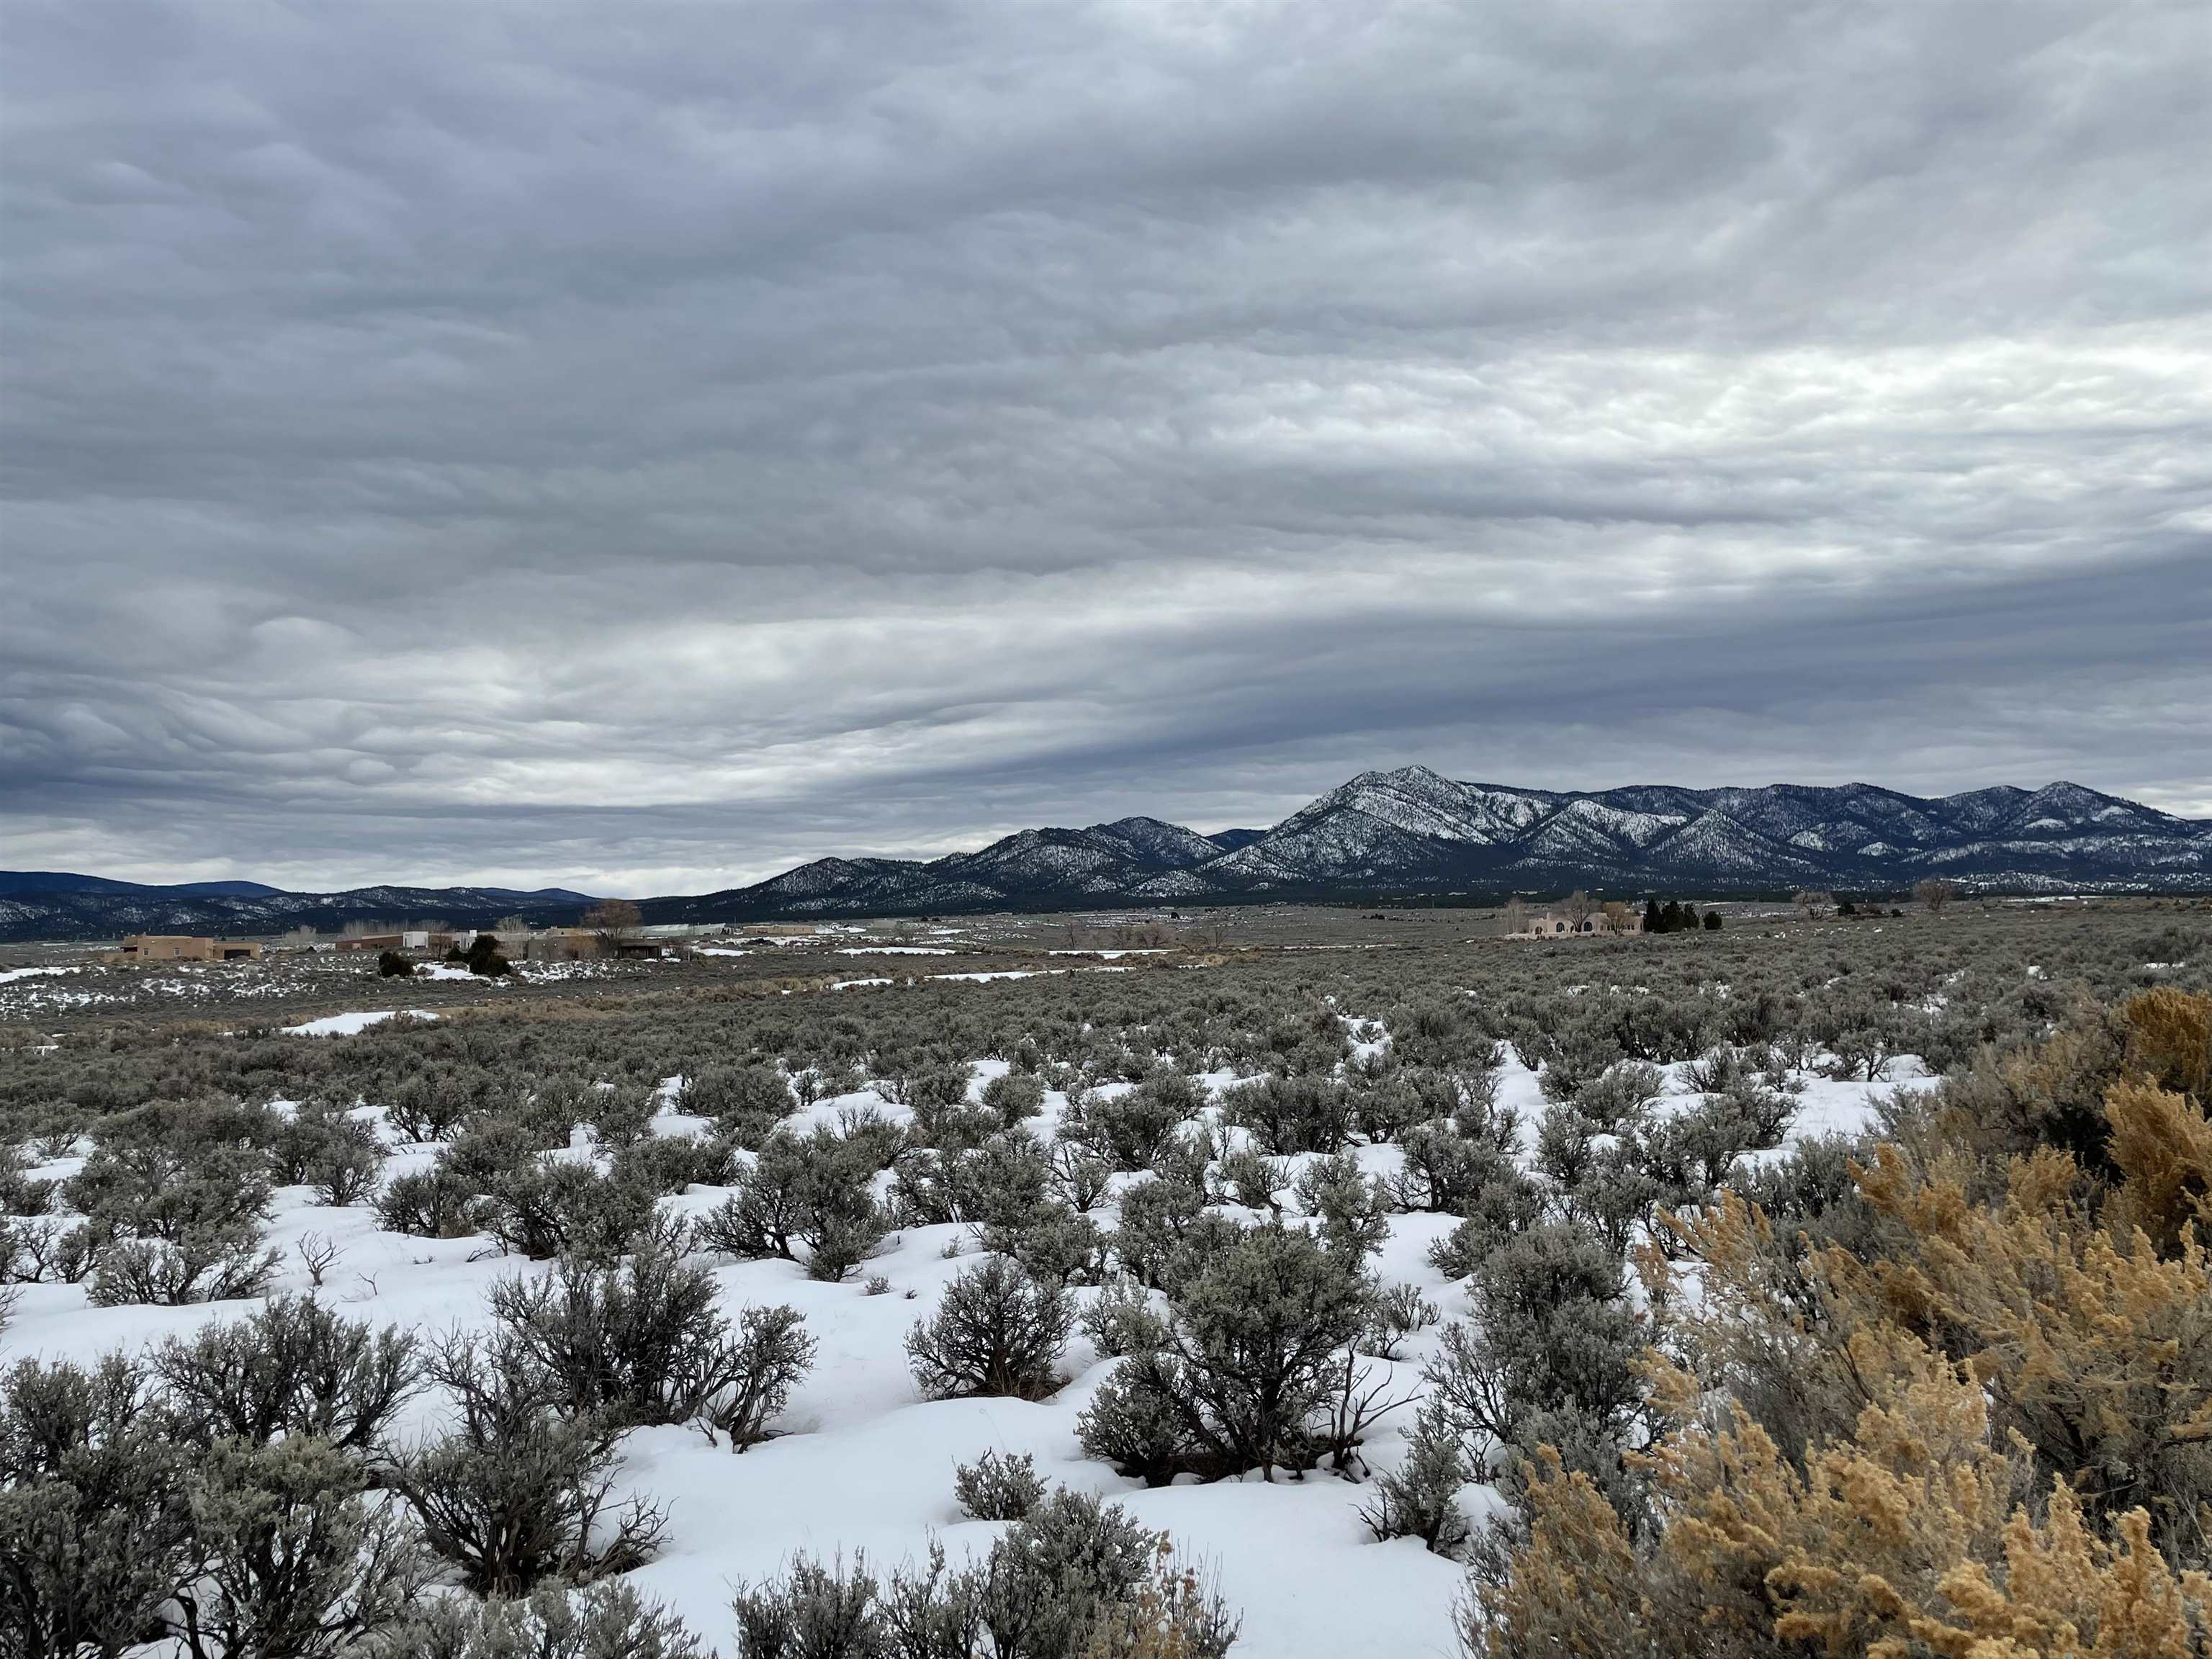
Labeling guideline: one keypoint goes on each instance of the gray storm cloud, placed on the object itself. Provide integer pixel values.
(646, 447)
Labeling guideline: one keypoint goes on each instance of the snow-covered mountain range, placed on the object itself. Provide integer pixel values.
(1414, 831)
(1405, 833)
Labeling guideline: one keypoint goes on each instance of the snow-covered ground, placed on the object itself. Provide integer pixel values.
(351, 1024)
(863, 1464)
(10, 975)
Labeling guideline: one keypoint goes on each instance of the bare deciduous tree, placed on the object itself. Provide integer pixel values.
(1934, 893)
(612, 921)
(1578, 907)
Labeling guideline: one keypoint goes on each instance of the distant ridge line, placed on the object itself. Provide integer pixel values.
(1412, 833)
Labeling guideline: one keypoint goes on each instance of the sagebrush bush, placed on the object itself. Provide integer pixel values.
(433, 1203)
(996, 1488)
(1081, 1177)
(642, 1341)
(1617, 1095)
(813, 1192)
(1073, 1579)
(1061, 1572)
(183, 1173)
(1156, 1217)
(745, 1101)
(1354, 1208)
(998, 1181)
(773, 1353)
(45, 1249)
(603, 1620)
(519, 1492)
(1014, 1096)
(1255, 1350)
(1420, 1498)
(1550, 1356)
(1129, 1128)
(433, 1104)
(293, 1369)
(1291, 1114)
(1248, 1178)
(997, 1331)
(165, 1274)
(669, 1164)
(1393, 1315)
(549, 1208)
(1122, 1319)
(95, 1526)
(494, 1148)
(1444, 1171)
(622, 1113)
(293, 1561)
(324, 1146)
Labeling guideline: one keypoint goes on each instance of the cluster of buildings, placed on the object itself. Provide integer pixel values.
(516, 943)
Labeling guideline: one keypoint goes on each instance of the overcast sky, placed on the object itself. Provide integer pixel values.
(643, 448)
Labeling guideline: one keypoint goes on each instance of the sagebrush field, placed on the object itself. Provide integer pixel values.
(1289, 1283)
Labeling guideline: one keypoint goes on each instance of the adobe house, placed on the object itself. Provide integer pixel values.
(140, 948)
(1614, 920)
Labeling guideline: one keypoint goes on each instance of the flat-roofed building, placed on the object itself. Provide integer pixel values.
(1614, 920)
(138, 948)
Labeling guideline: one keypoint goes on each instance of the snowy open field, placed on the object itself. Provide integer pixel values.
(861, 1462)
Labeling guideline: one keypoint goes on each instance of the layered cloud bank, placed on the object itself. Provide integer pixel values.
(645, 450)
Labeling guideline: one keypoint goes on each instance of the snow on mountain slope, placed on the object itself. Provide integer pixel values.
(1416, 801)
(1586, 827)
(1168, 845)
(1414, 830)
(1411, 830)
(1981, 809)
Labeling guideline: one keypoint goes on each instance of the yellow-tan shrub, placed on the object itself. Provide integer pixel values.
(1908, 1539)
(2162, 1145)
(2169, 1039)
(2096, 1350)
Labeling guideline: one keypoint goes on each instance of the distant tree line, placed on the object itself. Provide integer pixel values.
(1675, 917)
